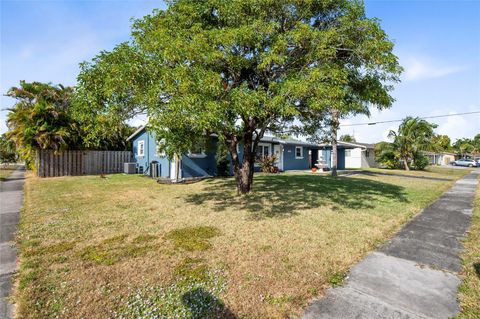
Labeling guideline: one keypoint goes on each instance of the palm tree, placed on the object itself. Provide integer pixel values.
(414, 135)
(40, 119)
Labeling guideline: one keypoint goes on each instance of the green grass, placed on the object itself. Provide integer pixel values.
(430, 171)
(193, 238)
(469, 290)
(92, 247)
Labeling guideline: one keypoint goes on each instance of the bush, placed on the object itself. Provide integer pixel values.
(267, 164)
(420, 161)
(386, 156)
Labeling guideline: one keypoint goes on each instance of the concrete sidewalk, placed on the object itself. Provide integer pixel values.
(11, 200)
(415, 274)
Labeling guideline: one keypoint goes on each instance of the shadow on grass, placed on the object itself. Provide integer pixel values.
(476, 266)
(284, 195)
(203, 304)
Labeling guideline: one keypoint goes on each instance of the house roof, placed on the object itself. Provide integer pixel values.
(273, 139)
(346, 145)
(437, 153)
(365, 145)
(141, 128)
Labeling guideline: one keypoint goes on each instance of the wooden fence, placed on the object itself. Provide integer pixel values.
(74, 163)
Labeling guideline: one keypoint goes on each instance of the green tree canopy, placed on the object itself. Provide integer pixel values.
(7, 150)
(414, 135)
(238, 68)
(347, 138)
(45, 117)
(464, 146)
(440, 143)
(40, 119)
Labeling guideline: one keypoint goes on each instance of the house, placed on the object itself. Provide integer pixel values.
(362, 155)
(440, 158)
(291, 155)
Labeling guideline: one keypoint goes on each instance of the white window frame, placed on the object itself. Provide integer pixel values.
(141, 142)
(301, 152)
(348, 153)
(263, 145)
(157, 151)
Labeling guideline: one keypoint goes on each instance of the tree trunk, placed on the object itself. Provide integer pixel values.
(177, 167)
(405, 163)
(335, 125)
(243, 172)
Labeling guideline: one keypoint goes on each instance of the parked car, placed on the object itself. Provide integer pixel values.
(465, 162)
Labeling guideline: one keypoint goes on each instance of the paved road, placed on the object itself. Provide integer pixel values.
(415, 274)
(11, 199)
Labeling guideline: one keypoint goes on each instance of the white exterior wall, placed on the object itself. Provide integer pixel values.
(369, 161)
(358, 158)
(355, 158)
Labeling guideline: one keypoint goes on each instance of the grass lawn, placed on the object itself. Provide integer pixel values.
(430, 171)
(5, 171)
(127, 247)
(470, 287)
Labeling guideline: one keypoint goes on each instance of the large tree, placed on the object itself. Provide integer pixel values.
(40, 119)
(360, 78)
(414, 135)
(45, 116)
(239, 68)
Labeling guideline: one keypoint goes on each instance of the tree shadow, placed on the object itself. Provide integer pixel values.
(283, 195)
(203, 304)
(476, 266)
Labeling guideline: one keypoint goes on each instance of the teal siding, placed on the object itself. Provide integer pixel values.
(207, 166)
(150, 155)
(290, 162)
(203, 166)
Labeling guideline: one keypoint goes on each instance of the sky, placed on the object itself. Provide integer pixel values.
(437, 42)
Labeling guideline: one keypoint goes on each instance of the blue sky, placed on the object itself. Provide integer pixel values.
(438, 43)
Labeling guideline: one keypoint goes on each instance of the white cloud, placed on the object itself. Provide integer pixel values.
(459, 126)
(423, 68)
(371, 133)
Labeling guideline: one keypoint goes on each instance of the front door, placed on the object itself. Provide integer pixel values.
(278, 152)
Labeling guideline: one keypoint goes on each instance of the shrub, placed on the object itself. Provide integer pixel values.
(386, 156)
(267, 164)
(420, 161)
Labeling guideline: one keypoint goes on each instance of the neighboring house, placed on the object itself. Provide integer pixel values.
(362, 155)
(440, 158)
(291, 155)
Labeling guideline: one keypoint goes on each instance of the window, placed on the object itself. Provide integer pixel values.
(367, 153)
(298, 152)
(348, 153)
(141, 148)
(158, 150)
(262, 151)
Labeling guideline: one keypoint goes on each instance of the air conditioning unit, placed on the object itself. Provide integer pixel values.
(129, 168)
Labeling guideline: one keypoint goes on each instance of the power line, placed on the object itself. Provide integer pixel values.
(423, 118)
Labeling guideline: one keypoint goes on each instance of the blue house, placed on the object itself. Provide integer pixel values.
(290, 154)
